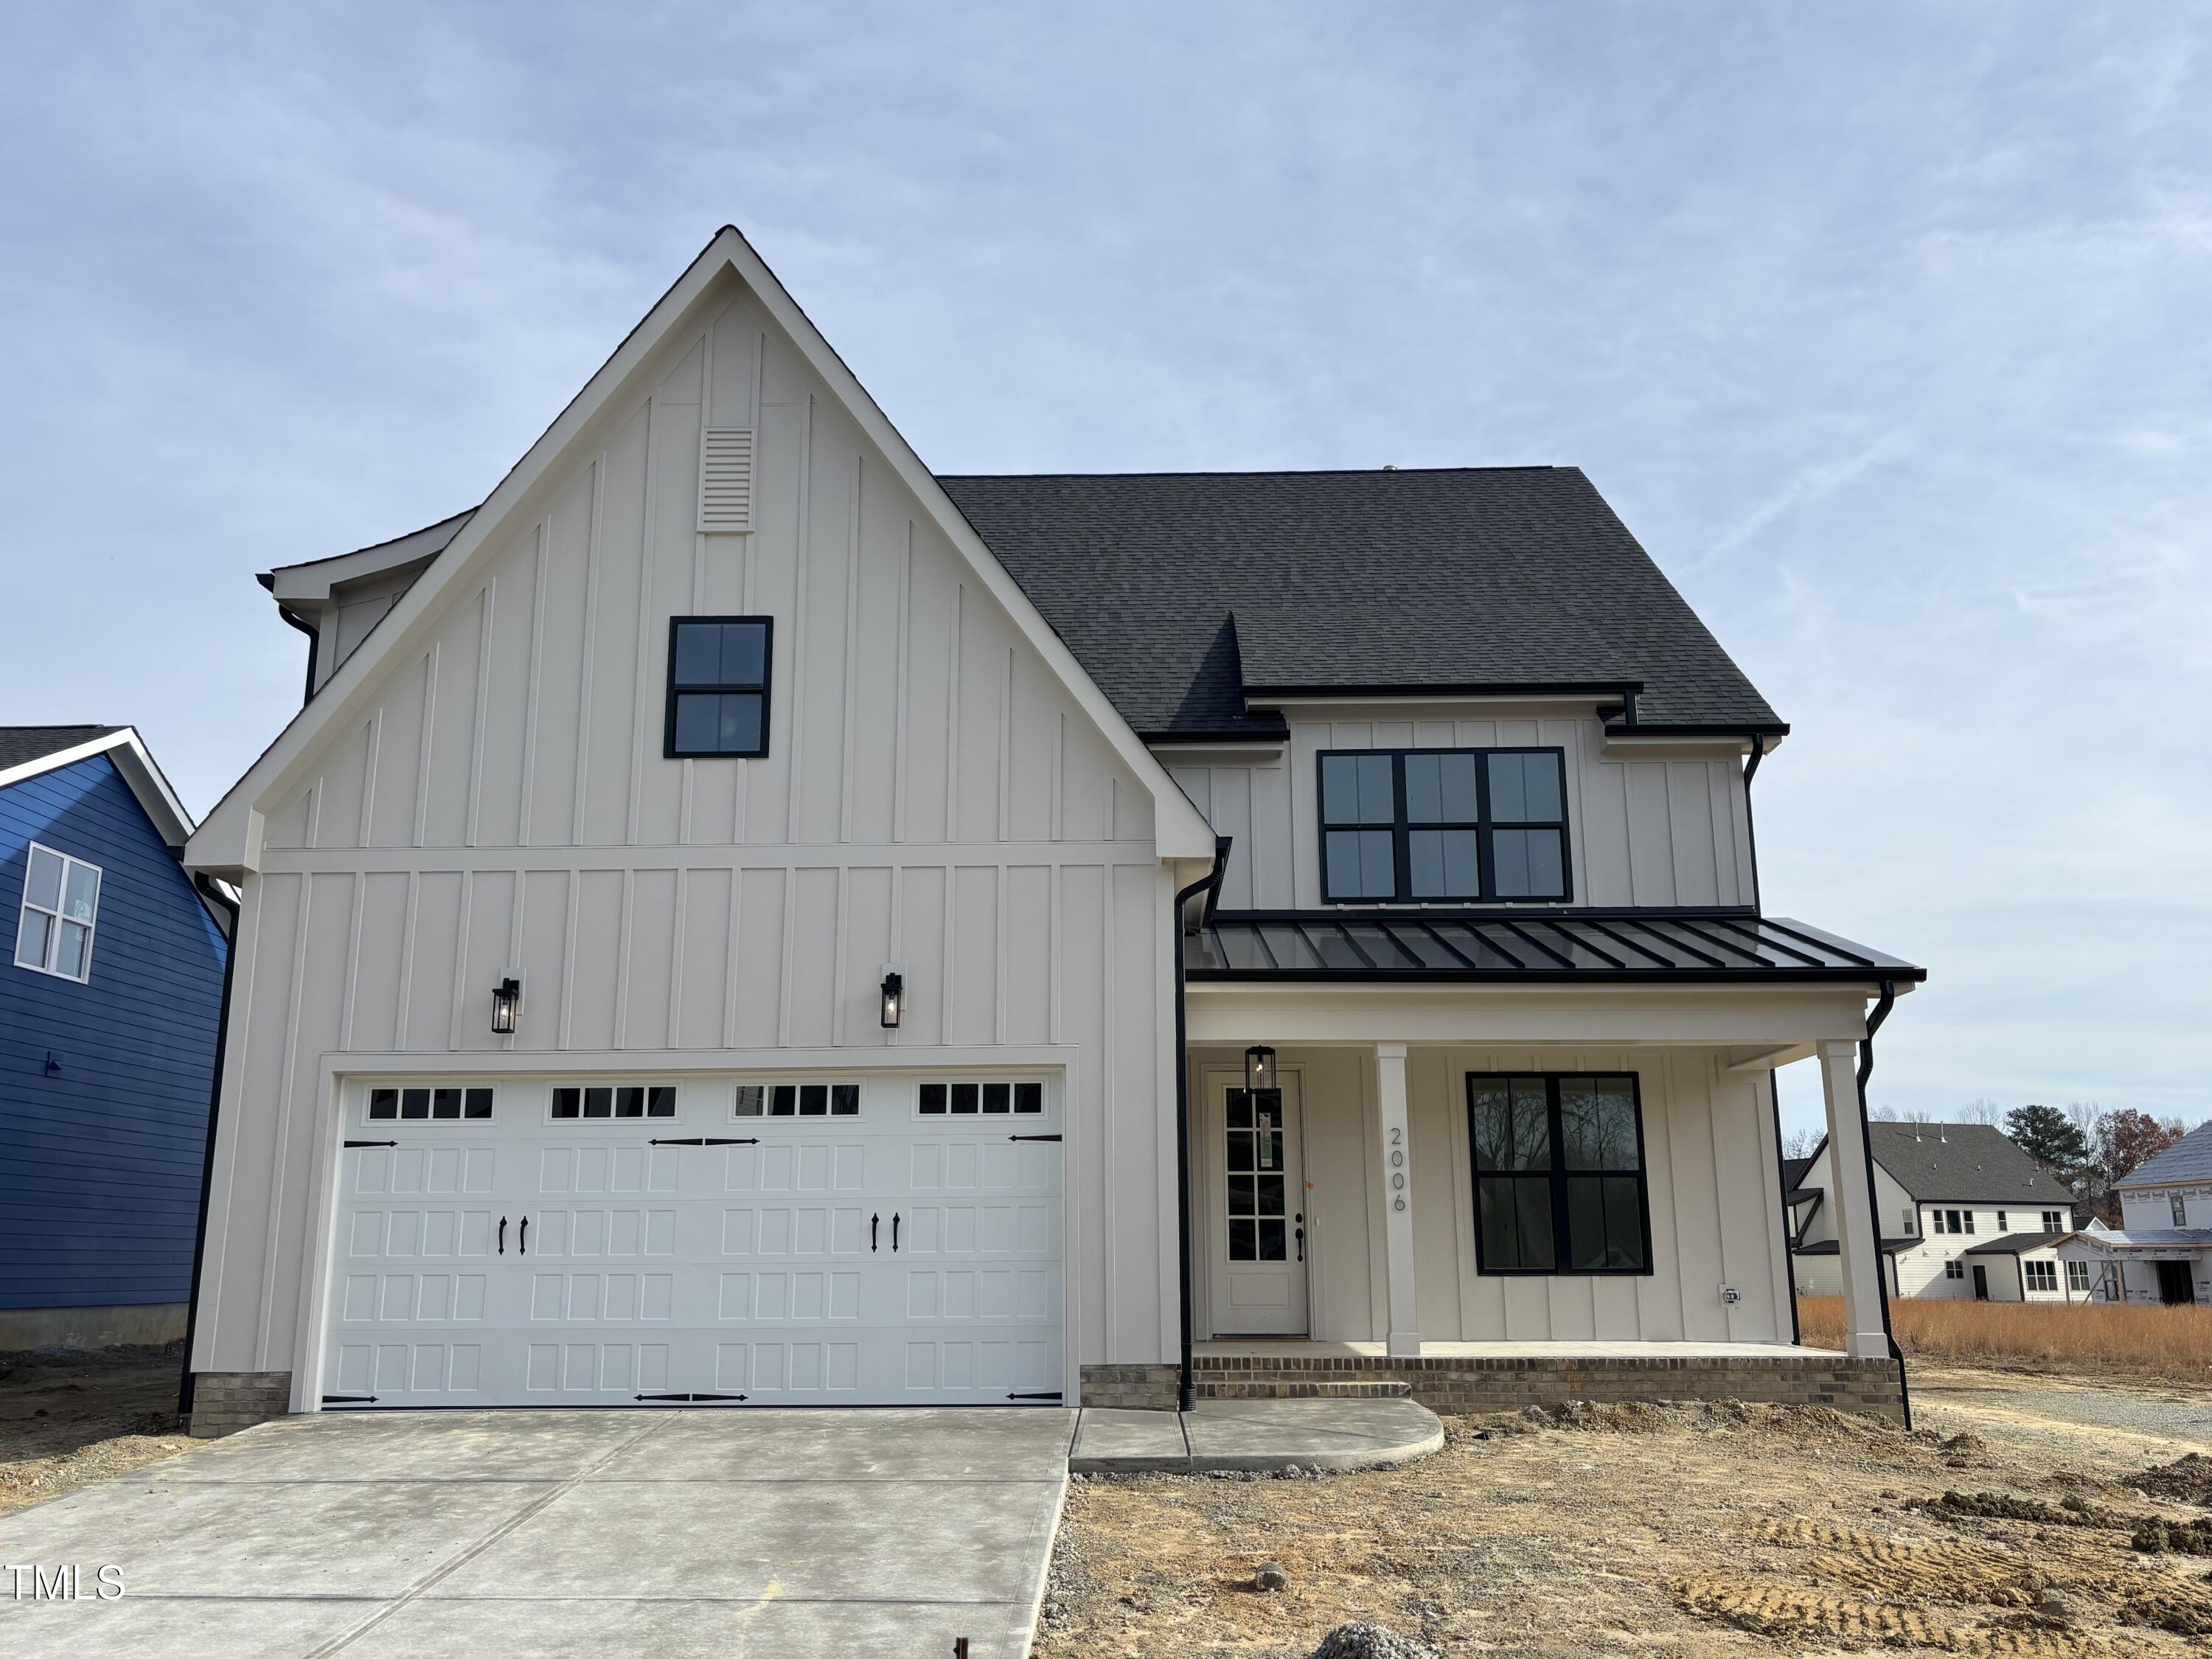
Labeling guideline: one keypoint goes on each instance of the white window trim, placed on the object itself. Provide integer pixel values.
(54, 933)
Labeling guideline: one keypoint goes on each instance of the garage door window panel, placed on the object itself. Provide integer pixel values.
(435, 1102)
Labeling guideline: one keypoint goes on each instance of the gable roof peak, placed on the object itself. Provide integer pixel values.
(230, 840)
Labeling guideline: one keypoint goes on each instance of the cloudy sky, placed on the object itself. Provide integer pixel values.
(1885, 329)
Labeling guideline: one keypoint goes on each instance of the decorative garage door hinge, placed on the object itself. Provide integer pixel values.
(372, 1143)
(1033, 1137)
(1055, 1395)
(349, 1399)
(705, 1140)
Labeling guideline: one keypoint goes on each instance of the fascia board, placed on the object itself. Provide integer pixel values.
(135, 762)
(230, 838)
(314, 584)
(1179, 830)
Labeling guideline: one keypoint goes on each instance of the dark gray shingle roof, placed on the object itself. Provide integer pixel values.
(2188, 1159)
(2013, 1243)
(1964, 1164)
(1369, 581)
(1793, 1171)
(19, 744)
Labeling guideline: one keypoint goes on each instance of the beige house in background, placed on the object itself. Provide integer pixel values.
(742, 919)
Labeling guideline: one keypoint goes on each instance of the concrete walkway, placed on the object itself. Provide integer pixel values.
(1256, 1434)
(785, 1532)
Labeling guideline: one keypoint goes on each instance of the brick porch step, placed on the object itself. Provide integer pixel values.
(1246, 1386)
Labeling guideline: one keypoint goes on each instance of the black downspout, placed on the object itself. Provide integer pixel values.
(1874, 1211)
(315, 647)
(1773, 1095)
(1186, 1386)
(1750, 824)
(210, 891)
(1782, 1179)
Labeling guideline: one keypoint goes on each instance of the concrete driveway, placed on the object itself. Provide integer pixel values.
(790, 1533)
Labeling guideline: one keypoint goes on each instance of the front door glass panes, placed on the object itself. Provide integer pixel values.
(1258, 1210)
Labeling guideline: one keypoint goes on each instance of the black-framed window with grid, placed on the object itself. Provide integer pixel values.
(1559, 1183)
(1441, 826)
(718, 687)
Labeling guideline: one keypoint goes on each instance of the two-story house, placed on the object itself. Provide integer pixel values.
(1964, 1213)
(742, 919)
(111, 979)
(2161, 1251)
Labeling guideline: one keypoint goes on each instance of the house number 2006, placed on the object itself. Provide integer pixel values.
(1397, 1169)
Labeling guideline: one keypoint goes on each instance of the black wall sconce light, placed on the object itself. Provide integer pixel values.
(506, 1006)
(894, 989)
(1259, 1067)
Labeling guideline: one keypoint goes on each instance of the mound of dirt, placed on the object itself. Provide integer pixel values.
(2187, 1480)
(2003, 1506)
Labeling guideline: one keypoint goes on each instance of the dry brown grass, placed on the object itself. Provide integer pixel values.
(2084, 1336)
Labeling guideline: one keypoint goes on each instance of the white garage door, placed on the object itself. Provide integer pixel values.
(892, 1241)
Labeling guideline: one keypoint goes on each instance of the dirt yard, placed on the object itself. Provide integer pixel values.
(69, 1418)
(1688, 1530)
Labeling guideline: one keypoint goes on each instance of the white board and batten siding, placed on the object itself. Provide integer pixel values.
(932, 797)
(1710, 1157)
(1659, 832)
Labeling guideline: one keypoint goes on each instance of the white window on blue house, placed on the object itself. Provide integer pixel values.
(61, 902)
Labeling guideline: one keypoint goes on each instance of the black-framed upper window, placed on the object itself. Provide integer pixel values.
(1558, 1173)
(718, 680)
(1443, 826)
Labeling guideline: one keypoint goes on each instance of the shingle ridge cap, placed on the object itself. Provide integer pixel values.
(1263, 472)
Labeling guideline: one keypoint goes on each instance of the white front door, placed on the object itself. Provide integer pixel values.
(869, 1252)
(1257, 1208)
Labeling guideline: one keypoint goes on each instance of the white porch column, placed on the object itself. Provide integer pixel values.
(1404, 1329)
(1857, 1229)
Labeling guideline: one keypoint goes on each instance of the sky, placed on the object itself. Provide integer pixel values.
(1884, 327)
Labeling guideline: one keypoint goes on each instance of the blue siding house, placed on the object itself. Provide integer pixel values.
(111, 989)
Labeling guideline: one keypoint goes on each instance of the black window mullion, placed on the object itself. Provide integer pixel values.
(1402, 833)
(1485, 865)
(1561, 1261)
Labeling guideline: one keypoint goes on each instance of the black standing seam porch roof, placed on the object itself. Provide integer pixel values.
(1571, 946)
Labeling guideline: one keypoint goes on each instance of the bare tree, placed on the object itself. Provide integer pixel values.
(1801, 1143)
(1984, 1110)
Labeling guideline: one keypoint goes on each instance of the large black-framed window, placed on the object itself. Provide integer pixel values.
(718, 681)
(1443, 826)
(1559, 1181)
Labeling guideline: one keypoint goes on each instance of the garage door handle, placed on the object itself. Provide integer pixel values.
(706, 1141)
(525, 1236)
(895, 1221)
(872, 1221)
(503, 1234)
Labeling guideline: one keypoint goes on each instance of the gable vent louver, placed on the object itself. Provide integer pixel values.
(725, 480)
